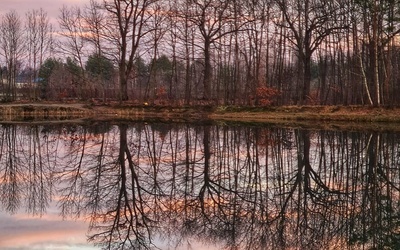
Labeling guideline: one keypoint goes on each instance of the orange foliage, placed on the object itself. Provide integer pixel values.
(63, 94)
(161, 92)
(266, 96)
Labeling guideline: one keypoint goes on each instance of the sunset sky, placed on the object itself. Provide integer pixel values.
(52, 7)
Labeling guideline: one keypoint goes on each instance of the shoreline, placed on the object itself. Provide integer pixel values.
(353, 117)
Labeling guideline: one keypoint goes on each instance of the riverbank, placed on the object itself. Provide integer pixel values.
(312, 116)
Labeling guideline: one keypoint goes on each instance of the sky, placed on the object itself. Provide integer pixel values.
(52, 7)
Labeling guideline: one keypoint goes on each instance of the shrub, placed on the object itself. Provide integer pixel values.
(266, 96)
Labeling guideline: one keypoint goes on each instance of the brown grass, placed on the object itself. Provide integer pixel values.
(312, 116)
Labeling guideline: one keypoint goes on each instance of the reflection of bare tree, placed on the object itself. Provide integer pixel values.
(308, 200)
(239, 187)
(26, 168)
(10, 188)
(101, 180)
(376, 222)
(39, 172)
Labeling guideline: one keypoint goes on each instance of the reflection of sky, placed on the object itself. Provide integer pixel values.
(50, 231)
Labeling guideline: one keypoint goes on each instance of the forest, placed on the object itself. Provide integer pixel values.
(205, 52)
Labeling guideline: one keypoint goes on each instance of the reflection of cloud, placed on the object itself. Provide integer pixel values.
(52, 233)
(22, 232)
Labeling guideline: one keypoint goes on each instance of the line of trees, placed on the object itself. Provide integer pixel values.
(224, 52)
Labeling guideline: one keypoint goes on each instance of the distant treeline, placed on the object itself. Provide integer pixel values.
(214, 52)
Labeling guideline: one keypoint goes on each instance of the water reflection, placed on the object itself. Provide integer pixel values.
(234, 186)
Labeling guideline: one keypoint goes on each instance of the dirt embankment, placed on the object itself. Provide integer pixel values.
(63, 111)
(41, 111)
(314, 116)
(319, 117)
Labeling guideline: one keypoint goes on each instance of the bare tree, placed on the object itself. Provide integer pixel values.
(309, 23)
(73, 45)
(95, 21)
(182, 33)
(12, 49)
(158, 22)
(71, 24)
(214, 20)
(128, 25)
(39, 42)
(378, 27)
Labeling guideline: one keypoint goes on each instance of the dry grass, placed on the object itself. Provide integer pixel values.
(319, 113)
(323, 117)
(312, 116)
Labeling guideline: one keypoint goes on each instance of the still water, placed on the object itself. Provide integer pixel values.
(197, 186)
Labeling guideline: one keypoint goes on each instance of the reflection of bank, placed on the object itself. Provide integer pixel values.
(259, 187)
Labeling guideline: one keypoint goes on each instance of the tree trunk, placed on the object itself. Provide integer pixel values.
(123, 83)
(305, 98)
(207, 71)
(374, 54)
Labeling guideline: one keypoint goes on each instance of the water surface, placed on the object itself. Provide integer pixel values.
(197, 186)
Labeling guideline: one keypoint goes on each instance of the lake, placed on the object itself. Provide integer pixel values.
(152, 185)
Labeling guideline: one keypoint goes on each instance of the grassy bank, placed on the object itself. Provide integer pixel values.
(318, 117)
(315, 113)
(315, 116)
(26, 112)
